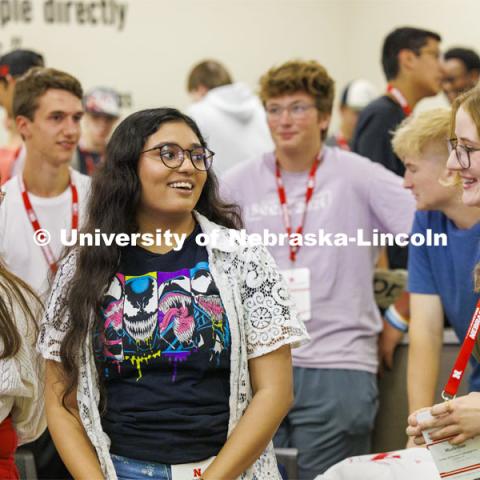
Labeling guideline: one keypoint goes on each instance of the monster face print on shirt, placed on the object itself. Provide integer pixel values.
(162, 316)
(163, 350)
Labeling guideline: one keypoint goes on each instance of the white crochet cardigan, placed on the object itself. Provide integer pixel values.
(261, 319)
(21, 384)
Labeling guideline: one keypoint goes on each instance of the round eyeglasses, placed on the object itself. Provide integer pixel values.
(173, 156)
(297, 111)
(462, 152)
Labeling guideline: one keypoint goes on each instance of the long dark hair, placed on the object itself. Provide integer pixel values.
(112, 207)
(14, 291)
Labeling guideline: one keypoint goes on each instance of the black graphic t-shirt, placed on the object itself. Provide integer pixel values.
(165, 352)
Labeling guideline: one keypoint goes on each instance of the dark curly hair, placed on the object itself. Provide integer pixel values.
(112, 208)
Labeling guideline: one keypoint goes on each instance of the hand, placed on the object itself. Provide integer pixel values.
(458, 420)
(387, 343)
(412, 444)
(414, 431)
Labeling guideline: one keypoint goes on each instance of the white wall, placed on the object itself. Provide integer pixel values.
(150, 57)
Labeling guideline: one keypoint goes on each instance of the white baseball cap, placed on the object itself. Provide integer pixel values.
(358, 94)
(103, 101)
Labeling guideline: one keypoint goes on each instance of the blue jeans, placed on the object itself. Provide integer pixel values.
(129, 469)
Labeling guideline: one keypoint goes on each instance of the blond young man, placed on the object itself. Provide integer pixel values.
(335, 374)
(440, 278)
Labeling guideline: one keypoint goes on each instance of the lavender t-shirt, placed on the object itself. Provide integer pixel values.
(351, 193)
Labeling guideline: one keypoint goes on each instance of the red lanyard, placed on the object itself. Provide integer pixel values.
(46, 250)
(451, 388)
(282, 195)
(16, 153)
(342, 142)
(398, 96)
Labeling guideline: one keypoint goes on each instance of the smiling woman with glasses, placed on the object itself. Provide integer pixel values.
(185, 349)
(464, 144)
(459, 418)
(462, 152)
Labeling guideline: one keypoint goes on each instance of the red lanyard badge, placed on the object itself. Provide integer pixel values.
(46, 250)
(398, 96)
(282, 196)
(451, 388)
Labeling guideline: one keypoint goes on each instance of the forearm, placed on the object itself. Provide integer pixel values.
(66, 427)
(73, 444)
(252, 434)
(423, 368)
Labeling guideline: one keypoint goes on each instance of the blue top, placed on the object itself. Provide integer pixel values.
(447, 271)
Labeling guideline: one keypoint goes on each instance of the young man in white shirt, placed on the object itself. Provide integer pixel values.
(48, 107)
(47, 195)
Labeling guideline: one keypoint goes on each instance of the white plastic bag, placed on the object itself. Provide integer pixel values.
(411, 464)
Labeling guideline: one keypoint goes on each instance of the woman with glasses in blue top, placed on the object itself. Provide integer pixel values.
(166, 359)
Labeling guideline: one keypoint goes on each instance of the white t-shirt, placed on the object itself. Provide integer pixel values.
(17, 248)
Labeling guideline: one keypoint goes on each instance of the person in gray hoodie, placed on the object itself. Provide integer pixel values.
(229, 115)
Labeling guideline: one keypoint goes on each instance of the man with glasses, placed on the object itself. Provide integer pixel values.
(440, 279)
(411, 63)
(461, 68)
(13, 65)
(304, 187)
